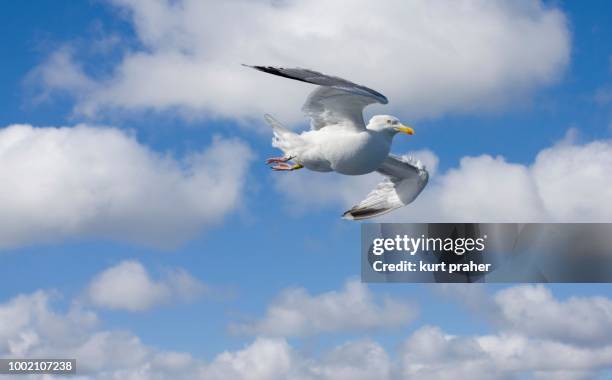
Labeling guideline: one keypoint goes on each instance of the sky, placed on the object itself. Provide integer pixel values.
(142, 233)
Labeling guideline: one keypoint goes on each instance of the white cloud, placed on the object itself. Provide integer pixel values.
(297, 313)
(29, 327)
(275, 359)
(537, 334)
(490, 188)
(59, 72)
(264, 359)
(428, 57)
(534, 311)
(100, 182)
(430, 353)
(26, 321)
(567, 182)
(580, 173)
(128, 286)
(355, 360)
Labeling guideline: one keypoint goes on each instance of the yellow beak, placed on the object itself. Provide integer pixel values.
(405, 129)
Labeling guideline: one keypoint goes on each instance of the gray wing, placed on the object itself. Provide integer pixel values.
(405, 179)
(336, 101)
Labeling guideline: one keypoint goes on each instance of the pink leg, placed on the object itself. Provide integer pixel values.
(277, 160)
(286, 167)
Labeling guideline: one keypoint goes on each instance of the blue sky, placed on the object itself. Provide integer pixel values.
(268, 240)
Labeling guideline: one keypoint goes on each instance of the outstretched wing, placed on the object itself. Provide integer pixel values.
(328, 106)
(336, 102)
(405, 179)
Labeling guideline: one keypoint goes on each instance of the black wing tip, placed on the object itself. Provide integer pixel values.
(357, 213)
(364, 213)
(348, 215)
(258, 67)
(267, 69)
(282, 72)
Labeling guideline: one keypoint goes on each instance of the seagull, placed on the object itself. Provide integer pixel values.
(340, 141)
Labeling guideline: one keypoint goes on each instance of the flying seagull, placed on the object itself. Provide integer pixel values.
(340, 141)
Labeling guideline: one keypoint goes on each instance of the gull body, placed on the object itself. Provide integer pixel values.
(340, 141)
(360, 152)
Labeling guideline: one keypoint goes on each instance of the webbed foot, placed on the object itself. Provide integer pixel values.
(283, 166)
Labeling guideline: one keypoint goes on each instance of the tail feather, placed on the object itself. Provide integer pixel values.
(275, 124)
(283, 138)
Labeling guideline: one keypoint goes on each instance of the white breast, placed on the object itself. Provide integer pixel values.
(344, 151)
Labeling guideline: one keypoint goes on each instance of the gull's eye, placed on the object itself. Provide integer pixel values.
(388, 121)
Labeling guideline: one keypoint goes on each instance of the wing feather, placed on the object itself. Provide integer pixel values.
(405, 179)
(336, 102)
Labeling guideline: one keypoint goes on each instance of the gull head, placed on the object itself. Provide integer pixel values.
(388, 124)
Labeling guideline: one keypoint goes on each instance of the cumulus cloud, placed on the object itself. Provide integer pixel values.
(358, 360)
(297, 313)
(567, 182)
(30, 327)
(536, 334)
(581, 171)
(533, 310)
(100, 182)
(128, 286)
(264, 359)
(433, 354)
(428, 353)
(274, 358)
(26, 321)
(428, 57)
(60, 71)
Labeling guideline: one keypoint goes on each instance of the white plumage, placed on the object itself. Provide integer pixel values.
(340, 141)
